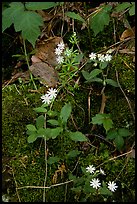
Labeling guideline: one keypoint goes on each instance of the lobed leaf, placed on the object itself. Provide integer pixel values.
(100, 19)
(122, 6)
(40, 5)
(9, 14)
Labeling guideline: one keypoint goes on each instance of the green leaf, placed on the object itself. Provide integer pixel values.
(98, 119)
(65, 112)
(122, 6)
(132, 9)
(95, 79)
(103, 65)
(40, 122)
(32, 138)
(53, 122)
(104, 119)
(94, 73)
(28, 22)
(104, 190)
(52, 113)
(31, 128)
(75, 16)
(107, 123)
(9, 14)
(85, 74)
(55, 132)
(100, 19)
(78, 58)
(112, 82)
(40, 110)
(40, 5)
(52, 160)
(91, 76)
(78, 136)
(123, 132)
(73, 153)
(112, 134)
(119, 142)
(41, 132)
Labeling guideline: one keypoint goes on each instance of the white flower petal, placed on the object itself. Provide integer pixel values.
(112, 186)
(91, 169)
(95, 183)
(92, 56)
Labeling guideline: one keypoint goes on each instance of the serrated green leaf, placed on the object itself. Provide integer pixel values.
(32, 138)
(78, 136)
(100, 19)
(75, 16)
(40, 122)
(122, 6)
(98, 119)
(112, 134)
(31, 128)
(73, 153)
(132, 9)
(65, 112)
(29, 22)
(112, 82)
(53, 122)
(9, 14)
(123, 132)
(40, 5)
(52, 160)
(119, 142)
(40, 110)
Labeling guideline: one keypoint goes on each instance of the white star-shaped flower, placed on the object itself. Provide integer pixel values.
(95, 183)
(61, 45)
(92, 56)
(58, 51)
(52, 93)
(60, 59)
(108, 57)
(101, 57)
(112, 186)
(46, 99)
(91, 169)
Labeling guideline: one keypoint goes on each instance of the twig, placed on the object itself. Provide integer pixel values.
(65, 193)
(16, 185)
(46, 187)
(45, 163)
(113, 158)
(89, 105)
(125, 96)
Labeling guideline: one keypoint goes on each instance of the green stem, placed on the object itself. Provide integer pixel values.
(26, 56)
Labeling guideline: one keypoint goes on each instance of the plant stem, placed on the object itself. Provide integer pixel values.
(26, 56)
(45, 163)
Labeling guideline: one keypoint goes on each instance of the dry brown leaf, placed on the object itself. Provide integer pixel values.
(128, 33)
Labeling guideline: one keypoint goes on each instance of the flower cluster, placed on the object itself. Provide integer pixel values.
(59, 51)
(49, 96)
(100, 57)
(95, 182)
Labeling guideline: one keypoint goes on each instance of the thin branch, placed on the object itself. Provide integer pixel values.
(16, 185)
(125, 96)
(46, 187)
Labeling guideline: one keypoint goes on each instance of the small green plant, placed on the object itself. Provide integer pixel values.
(68, 63)
(117, 135)
(89, 184)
